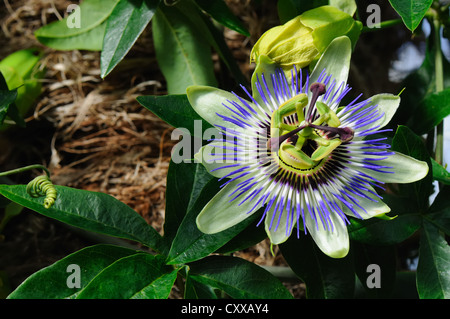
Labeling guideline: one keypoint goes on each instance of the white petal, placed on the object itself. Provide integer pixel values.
(336, 61)
(405, 169)
(372, 208)
(220, 214)
(277, 231)
(208, 102)
(333, 243)
(213, 163)
(387, 106)
(264, 66)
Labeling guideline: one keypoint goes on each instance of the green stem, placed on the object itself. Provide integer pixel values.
(25, 168)
(382, 25)
(439, 73)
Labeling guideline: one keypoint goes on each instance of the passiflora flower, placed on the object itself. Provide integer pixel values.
(292, 152)
(304, 38)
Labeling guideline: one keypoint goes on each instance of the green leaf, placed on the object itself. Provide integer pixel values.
(175, 110)
(411, 11)
(139, 276)
(91, 40)
(83, 29)
(159, 288)
(347, 6)
(439, 212)
(6, 99)
(408, 143)
(93, 211)
(183, 55)
(405, 286)
(264, 66)
(383, 257)
(325, 277)
(211, 33)
(249, 237)
(238, 278)
(51, 282)
(335, 59)
(184, 184)
(11, 210)
(219, 10)
(18, 67)
(190, 243)
(209, 102)
(92, 13)
(196, 290)
(440, 173)
(418, 85)
(433, 273)
(124, 26)
(289, 9)
(432, 110)
(20, 73)
(377, 231)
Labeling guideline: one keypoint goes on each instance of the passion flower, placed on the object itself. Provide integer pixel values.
(295, 154)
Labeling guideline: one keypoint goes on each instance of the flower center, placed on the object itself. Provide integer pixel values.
(305, 146)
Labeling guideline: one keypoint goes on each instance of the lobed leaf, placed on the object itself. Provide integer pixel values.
(219, 10)
(88, 35)
(6, 99)
(185, 182)
(289, 9)
(325, 277)
(190, 243)
(439, 212)
(139, 276)
(377, 231)
(440, 173)
(408, 143)
(51, 282)
(123, 27)
(433, 273)
(433, 109)
(384, 257)
(92, 211)
(411, 11)
(238, 278)
(184, 56)
(196, 290)
(175, 110)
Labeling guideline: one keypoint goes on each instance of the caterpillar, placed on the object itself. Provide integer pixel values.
(42, 186)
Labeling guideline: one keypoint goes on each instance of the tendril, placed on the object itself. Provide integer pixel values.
(40, 186)
(43, 186)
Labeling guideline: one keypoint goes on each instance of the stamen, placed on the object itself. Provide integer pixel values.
(345, 133)
(273, 144)
(317, 90)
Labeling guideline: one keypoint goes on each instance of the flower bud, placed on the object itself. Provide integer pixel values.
(303, 39)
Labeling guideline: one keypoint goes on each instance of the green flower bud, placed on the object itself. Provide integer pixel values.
(303, 39)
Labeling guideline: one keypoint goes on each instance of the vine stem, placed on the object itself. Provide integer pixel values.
(25, 168)
(439, 73)
(382, 25)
